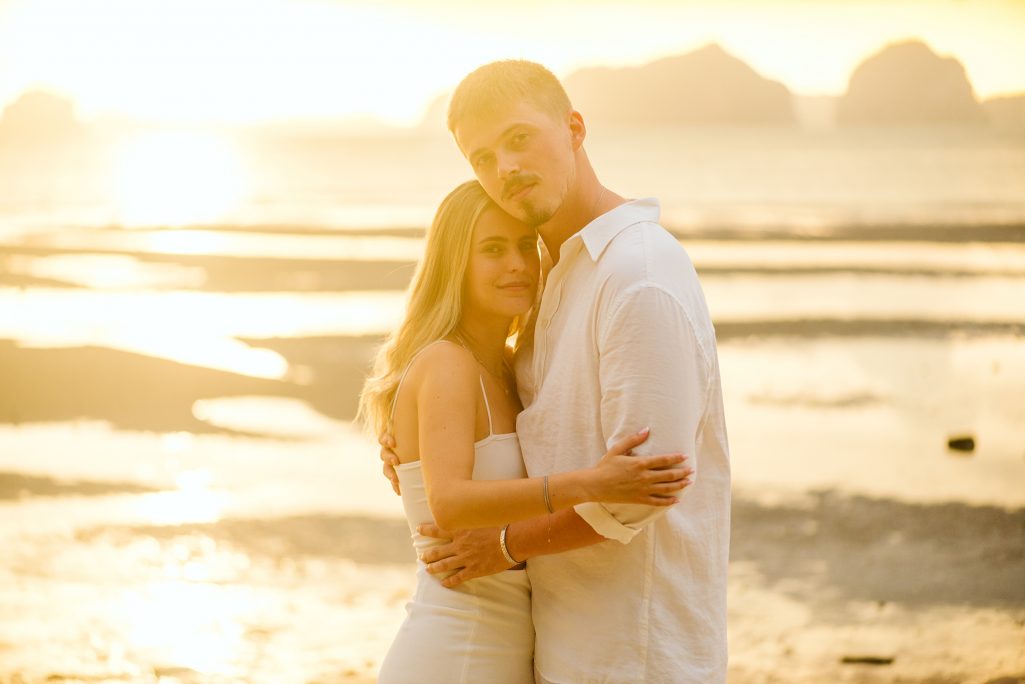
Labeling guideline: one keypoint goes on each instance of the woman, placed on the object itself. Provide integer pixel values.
(443, 387)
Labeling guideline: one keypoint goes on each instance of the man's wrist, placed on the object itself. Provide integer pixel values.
(514, 539)
(503, 545)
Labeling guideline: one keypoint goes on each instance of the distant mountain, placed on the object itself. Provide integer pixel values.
(1006, 112)
(38, 115)
(815, 112)
(707, 86)
(435, 118)
(908, 83)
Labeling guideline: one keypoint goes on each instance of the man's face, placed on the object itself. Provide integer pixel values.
(523, 158)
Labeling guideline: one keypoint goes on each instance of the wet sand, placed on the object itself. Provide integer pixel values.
(169, 522)
(909, 592)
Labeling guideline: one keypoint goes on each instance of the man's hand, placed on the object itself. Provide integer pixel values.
(472, 553)
(389, 460)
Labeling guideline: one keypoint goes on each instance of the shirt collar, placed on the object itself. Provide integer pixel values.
(597, 234)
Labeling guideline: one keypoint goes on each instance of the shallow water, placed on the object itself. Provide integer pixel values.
(183, 496)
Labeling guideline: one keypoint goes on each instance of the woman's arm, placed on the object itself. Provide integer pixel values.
(446, 412)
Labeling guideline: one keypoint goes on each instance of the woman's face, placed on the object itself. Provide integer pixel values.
(503, 271)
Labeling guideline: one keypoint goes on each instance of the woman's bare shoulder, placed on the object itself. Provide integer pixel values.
(444, 361)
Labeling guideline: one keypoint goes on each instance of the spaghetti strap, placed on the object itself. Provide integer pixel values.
(487, 406)
(402, 378)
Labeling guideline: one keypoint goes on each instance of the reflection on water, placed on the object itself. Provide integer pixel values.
(861, 296)
(908, 257)
(873, 416)
(106, 271)
(196, 328)
(229, 243)
(202, 328)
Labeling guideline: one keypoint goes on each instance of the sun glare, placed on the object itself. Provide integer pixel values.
(177, 179)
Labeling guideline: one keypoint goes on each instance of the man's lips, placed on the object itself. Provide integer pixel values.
(519, 192)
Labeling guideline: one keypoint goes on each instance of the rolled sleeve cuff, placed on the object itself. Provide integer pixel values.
(604, 523)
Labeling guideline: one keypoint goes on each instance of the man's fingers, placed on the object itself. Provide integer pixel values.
(433, 531)
(388, 469)
(627, 443)
(445, 565)
(436, 553)
(455, 580)
(389, 457)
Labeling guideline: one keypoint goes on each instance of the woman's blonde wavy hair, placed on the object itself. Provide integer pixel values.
(435, 301)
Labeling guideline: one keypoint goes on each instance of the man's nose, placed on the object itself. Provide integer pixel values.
(508, 164)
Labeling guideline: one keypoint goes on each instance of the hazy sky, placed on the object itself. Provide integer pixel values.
(242, 61)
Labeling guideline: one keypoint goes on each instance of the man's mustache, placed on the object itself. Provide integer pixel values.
(516, 183)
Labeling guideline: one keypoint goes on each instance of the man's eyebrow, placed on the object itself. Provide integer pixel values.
(482, 150)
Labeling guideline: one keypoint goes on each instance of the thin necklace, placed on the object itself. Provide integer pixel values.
(503, 378)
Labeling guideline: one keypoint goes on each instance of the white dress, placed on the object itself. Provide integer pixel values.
(480, 631)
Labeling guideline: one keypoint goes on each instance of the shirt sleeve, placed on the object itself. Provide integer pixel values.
(655, 373)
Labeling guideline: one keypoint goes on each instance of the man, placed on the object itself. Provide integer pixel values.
(623, 340)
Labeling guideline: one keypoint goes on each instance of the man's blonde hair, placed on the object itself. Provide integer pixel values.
(493, 87)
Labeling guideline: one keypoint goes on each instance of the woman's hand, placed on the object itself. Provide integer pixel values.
(653, 480)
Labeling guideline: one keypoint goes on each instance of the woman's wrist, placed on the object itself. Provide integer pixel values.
(566, 490)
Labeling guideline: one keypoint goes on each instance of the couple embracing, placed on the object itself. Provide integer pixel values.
(556, 430)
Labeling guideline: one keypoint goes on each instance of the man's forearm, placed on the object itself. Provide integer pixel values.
(561, 531)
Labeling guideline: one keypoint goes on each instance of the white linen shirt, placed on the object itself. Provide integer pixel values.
(624, 341)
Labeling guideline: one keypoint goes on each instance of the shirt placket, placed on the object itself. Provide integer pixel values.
(550, 301)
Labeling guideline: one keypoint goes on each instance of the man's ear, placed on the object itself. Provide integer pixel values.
(577, 129)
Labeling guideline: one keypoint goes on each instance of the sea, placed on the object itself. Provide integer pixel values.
(186, 316)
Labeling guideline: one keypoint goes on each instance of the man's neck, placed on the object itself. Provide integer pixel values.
(579, 209)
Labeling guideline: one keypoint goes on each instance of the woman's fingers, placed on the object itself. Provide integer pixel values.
(662, 500)
(668, 475)
(624, 445)
(668, 488)
(660, 461)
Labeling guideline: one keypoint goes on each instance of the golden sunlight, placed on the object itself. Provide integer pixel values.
(177, 178)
